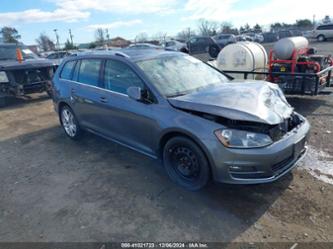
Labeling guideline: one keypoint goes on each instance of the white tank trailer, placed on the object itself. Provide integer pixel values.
(284, 48)
(242, 56)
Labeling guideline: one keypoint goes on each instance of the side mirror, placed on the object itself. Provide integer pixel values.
(135, 93)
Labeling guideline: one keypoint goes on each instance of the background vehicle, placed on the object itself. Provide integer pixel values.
(256, 37)
(270, 37)
(172, 106)
(22, 72)
(175, 45)
(144, 46)
(323, 32)
(58, 56)
(203, 44)
(224, 39)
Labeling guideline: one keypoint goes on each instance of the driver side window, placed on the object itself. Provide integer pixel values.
(118, 77)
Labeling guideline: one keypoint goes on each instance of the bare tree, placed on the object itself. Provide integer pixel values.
(45, 42)
(160, 37)
(227, 28)
(185, 34)
(207, 28)
(141, 37)
(100, 38)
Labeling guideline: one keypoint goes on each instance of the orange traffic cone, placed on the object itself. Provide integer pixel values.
(19, 55)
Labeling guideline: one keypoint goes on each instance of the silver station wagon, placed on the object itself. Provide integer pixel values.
(201, 123)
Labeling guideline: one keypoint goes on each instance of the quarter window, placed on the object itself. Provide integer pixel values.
(89, 71)
(66, 72)
(118, 77)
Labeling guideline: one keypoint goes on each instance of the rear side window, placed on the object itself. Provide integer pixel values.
(118, 77)
(66, 72)
(325, 27)
(89, 71)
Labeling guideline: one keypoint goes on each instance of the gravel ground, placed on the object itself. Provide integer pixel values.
(54, 189)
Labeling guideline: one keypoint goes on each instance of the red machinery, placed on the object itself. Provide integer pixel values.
(304, 72)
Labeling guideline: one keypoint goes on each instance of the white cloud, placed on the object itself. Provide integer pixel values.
(120, 6)
(115, 25)
(265, 13)
(37, 15)
(74, 10)
(209, 9)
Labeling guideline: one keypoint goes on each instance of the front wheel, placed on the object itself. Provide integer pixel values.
(321, 38)
(186, 164)
(70, 123)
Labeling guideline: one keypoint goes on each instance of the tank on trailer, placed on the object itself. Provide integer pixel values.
(242, 56)
(285, 47)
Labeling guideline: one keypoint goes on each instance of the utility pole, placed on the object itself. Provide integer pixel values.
(57, 37)
(107, 36)
(71, 36)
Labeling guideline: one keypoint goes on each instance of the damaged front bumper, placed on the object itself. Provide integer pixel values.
(261, 165)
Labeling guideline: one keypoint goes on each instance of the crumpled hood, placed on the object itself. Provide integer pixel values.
(255, 101)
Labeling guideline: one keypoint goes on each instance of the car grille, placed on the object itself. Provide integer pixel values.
(280, 165)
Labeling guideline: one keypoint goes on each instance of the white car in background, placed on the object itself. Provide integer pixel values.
(175, 45)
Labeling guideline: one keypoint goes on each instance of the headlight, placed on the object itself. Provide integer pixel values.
(242, 139)
(3, 77)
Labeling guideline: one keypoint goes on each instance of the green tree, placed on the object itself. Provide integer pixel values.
(10, 35)
(257, 28)
(69, 45)
(303, 23)
(92, 45)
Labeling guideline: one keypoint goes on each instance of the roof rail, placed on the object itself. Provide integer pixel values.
(121, 54)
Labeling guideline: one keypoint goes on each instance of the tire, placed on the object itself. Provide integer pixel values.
(184, 50)
(213, 51)
(69, 123)
(321, 38)
(186, 164)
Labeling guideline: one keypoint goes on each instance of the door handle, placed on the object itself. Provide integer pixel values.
(72, 91)
(103, 99)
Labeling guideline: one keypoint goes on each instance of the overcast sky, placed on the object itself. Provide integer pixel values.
(127, 18)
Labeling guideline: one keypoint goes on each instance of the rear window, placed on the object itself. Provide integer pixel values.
(66, 72)
(89, 71)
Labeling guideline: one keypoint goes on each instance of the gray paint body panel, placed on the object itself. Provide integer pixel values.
(141, 126)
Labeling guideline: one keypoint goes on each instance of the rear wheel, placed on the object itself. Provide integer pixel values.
(213, 50)
(186, 164)
(321, 38)
(70, 123)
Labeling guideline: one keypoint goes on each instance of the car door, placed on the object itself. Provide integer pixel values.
(87, 94)
(193, 45)
(329, 31)
(126, 120)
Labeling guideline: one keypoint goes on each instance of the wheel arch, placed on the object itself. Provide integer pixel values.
(175, 133)
(60, 105)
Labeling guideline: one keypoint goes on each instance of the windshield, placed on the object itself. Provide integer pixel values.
(180, 75)
(8, 52)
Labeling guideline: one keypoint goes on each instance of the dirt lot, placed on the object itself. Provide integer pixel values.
(54, 189)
